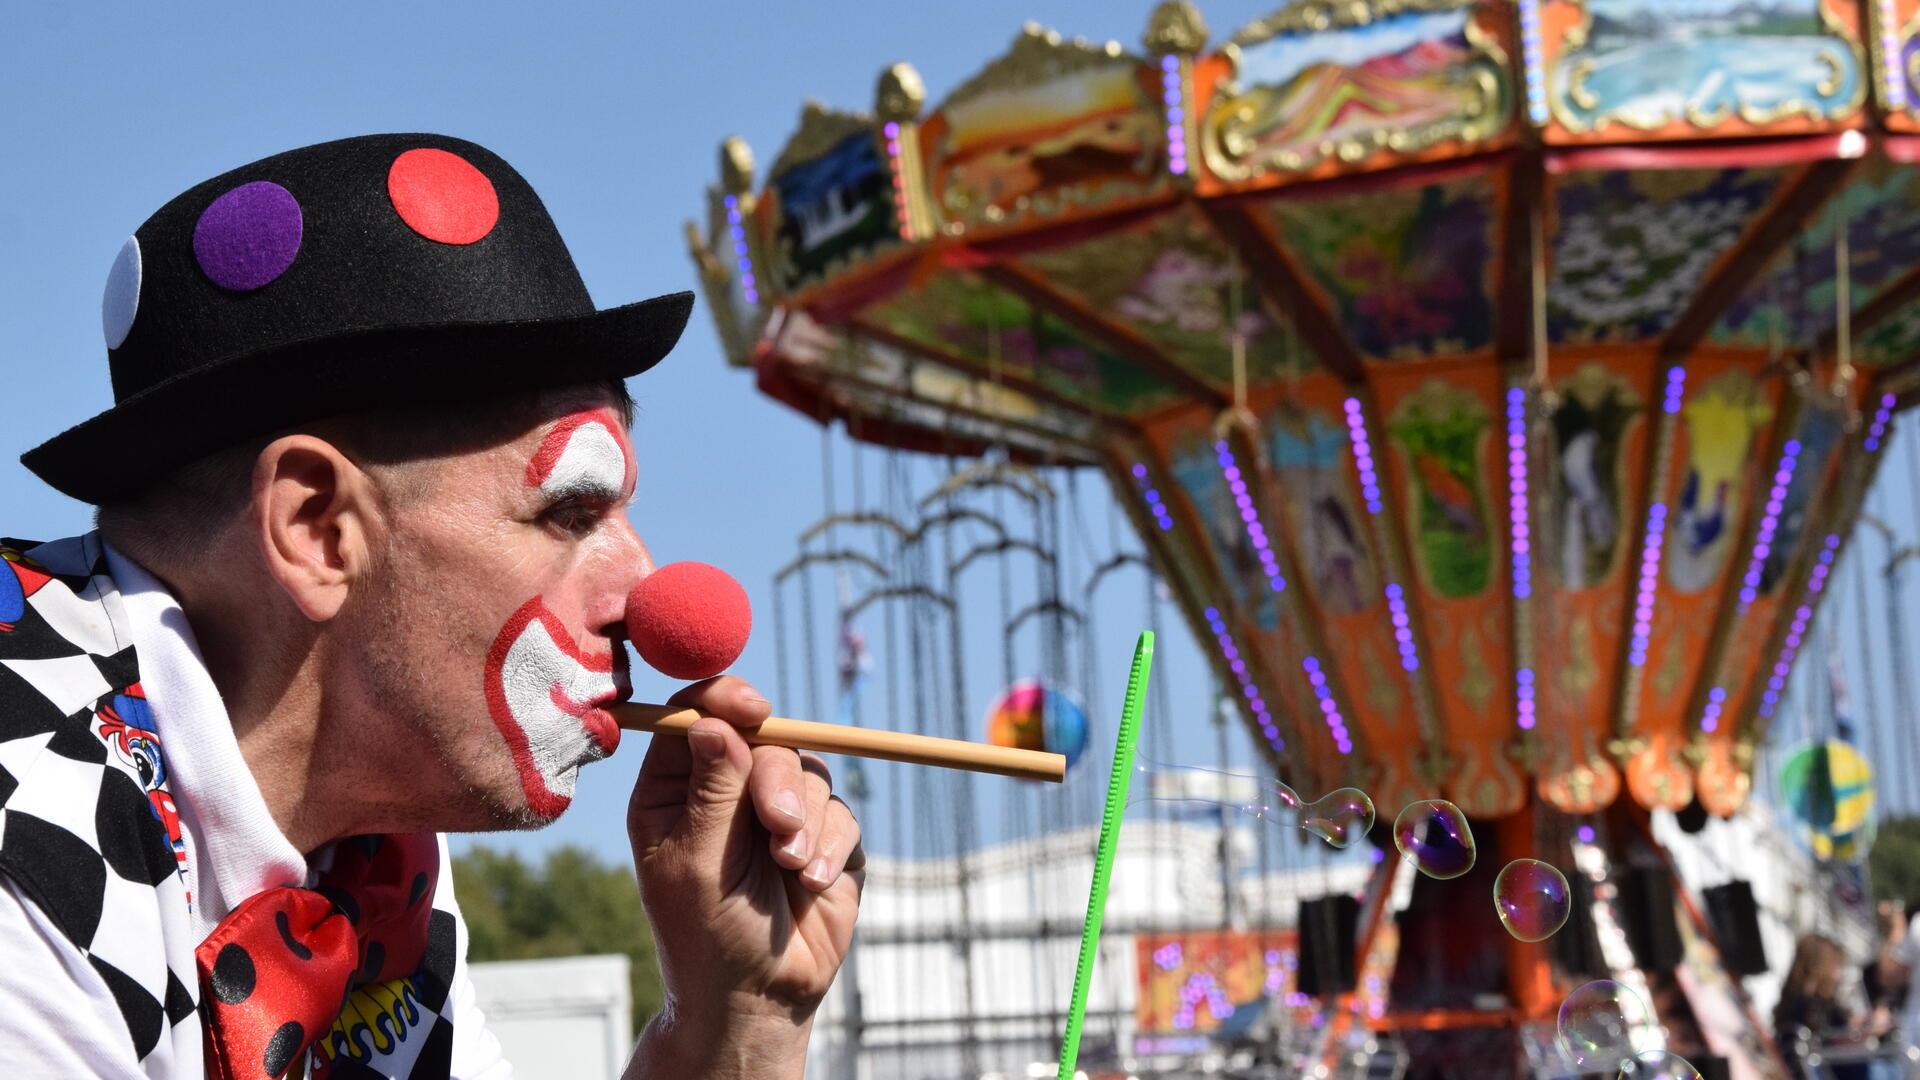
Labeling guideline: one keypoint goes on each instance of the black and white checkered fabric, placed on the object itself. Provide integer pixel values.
(83, 836)
(79, 836)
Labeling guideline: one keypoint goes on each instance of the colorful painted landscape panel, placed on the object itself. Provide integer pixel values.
(1404, 81)
(1649, 63)
(1082, 135)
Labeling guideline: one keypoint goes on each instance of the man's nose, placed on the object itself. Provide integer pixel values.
(628, 565)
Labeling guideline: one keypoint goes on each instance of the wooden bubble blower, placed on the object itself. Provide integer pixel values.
(690, 621)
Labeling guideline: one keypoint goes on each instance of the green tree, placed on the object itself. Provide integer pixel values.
(1894, 861)
(571, 905)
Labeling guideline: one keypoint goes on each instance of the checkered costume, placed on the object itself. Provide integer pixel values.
(89, 835)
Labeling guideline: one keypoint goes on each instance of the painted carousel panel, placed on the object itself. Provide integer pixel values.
(1320, 86)
(1051, 128)
(956, 313)
(1630, 249)
(1795, 300)
(1172, 280)
(830, 200)
(1629, 69)
(1407, 271)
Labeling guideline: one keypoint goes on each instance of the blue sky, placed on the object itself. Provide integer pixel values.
(614, 113)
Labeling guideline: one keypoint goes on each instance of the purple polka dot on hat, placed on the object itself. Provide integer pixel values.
(249, 236)
(121, 300)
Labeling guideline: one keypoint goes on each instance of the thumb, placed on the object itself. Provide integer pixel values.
(717, 784)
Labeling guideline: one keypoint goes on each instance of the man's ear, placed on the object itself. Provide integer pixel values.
(313, 514)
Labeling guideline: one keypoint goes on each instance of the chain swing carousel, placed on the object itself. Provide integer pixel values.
(1493, 384)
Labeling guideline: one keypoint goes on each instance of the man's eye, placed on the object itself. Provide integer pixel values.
(573, 517)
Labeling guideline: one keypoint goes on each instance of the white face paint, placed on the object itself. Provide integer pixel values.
(546, 696)
(584, 455)
(548, 701)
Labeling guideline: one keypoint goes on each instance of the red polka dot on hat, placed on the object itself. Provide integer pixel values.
(441, 196)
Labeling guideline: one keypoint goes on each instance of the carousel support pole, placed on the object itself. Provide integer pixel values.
(1529, 973)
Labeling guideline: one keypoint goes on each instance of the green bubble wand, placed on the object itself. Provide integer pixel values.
(1109, 839)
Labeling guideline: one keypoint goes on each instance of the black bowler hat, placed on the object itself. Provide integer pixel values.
(351, 275)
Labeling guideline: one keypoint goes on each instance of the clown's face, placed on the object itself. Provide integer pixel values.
(498, 626)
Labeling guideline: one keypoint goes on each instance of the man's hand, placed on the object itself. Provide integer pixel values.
(750, 871)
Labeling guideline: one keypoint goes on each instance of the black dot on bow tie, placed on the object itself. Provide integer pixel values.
(232, 974)
(372, 959)
(282, 1047)
(418, 890)
(286, 937)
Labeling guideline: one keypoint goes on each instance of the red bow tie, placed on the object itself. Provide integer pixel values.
(275, 972)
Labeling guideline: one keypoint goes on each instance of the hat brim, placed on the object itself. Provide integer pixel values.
(151, 433)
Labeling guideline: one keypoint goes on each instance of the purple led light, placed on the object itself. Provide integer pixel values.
(1336, 724)
(1161, 515)
(1402, 627)
(1649, 583)
(1769, 524)
(1176, 116)
(1797, 630)
(1676, 389)
(1519, 544)
(1523, 699)
(1363, 456)
(1891, 58)
(737, 229)
(1239, 669)
(1710, 716)
(1532, 53)
(1585, 832)
(903, 217)
(1878, 429)
(1269, 563)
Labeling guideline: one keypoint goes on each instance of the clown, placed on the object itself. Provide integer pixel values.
(365, 581)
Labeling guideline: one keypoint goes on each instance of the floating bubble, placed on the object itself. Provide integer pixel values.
(1341, 817)
(1598, 1022)
(1532, 898)
(1658, 1065)
(1432, 834)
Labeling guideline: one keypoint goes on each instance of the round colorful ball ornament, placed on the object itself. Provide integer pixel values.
(248, 237)
(442, 196)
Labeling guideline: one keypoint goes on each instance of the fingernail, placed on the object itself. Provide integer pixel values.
(796, 846)
(754, 699)
(816, 871)
(788, 803)
(707, 746)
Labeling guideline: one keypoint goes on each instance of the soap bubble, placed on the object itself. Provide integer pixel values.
(1658, 1065)
(1432, 834)
(1598, 1022)
(1532, 898)
(1341, 817)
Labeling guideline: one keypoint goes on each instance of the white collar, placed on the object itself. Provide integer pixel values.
(235, 850)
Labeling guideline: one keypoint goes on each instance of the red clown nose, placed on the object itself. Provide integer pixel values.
(689, 620)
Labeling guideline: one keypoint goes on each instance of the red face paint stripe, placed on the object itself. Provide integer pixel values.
(541, 801)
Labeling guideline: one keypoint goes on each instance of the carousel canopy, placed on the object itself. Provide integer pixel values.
(1495, 383)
